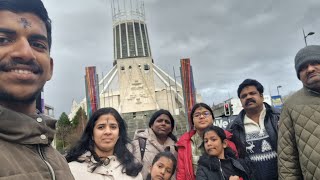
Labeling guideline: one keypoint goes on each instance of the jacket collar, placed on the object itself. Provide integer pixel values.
(152, 135)
(100, 168)
(312, 92)
(23, 129)
(169, 143)
(185, 138)
(213, 164)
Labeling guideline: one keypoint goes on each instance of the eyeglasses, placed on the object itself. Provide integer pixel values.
(204, 113)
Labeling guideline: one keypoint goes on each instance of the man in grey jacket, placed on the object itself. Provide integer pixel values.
(299, 128)
(25, 66)
(257, 128)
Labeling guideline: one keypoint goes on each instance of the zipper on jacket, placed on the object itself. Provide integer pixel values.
(221, 169)
(53, 176)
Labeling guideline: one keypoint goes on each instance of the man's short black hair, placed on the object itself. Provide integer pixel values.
(250, 82)
(35, 7)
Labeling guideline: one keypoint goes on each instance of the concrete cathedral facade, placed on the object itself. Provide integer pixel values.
(135, 86)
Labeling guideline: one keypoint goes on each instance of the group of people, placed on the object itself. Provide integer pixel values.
(105, 151)
(261, 143)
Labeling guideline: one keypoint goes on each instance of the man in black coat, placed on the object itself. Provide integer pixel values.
(257, 128)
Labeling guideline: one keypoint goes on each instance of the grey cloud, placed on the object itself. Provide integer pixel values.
(227, 42)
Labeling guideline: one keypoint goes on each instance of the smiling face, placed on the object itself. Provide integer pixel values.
(251, 99)
(202, 118)
(105, 135)
(162, 169)
(25, 63)
(310, 76)
(162, 126)
(213, 144)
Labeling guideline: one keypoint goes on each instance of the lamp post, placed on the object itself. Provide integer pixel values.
(278, 87)
(305, 36)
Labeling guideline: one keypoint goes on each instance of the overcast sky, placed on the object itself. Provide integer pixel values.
(227, 42)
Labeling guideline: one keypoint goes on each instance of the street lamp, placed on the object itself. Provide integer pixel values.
(278, 87)
(305, 36)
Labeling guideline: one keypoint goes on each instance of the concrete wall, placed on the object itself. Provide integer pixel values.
(136, 82)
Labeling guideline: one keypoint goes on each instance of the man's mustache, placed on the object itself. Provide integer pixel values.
(249, 101)
(14, 64)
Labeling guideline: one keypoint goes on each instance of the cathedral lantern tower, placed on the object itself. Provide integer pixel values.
(132, 55)
(130, 32)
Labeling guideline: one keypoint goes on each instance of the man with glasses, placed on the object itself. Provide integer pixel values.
(257, 128)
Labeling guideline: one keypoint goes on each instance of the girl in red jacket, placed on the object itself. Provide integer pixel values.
(189, 144)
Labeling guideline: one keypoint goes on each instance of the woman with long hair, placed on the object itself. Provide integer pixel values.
(219, 161)
(147, 143)
(101, 152)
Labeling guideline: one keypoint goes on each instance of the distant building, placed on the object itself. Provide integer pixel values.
(48, 110)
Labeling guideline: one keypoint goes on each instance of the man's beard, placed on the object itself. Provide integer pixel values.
(11, 99)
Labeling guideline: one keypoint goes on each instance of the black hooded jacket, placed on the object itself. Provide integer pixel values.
(209, 167)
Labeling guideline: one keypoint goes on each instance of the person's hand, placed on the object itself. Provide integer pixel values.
(234, 178)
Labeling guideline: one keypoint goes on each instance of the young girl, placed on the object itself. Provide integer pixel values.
(189, 144)
(218, 161)
(163, 166)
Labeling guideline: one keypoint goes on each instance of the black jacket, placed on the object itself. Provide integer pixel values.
(271, 119)
(209, 167)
